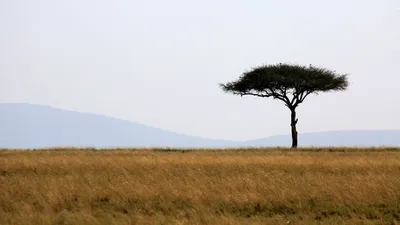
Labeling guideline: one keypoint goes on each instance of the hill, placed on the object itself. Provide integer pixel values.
(36, 126)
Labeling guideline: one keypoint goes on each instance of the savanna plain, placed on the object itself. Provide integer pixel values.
(207, 186)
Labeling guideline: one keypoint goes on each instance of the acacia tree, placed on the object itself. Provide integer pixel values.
(289, 83)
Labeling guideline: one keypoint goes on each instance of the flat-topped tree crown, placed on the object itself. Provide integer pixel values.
(283, 81)
(287, 82)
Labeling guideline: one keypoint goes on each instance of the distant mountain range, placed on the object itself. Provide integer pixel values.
(36, 126)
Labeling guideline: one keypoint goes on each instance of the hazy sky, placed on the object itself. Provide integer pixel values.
(159, 62)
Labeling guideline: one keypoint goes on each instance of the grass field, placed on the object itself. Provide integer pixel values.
(253, 186)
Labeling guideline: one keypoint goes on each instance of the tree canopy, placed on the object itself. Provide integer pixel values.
(287, 82)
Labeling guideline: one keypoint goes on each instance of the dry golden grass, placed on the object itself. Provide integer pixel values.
(252, 186)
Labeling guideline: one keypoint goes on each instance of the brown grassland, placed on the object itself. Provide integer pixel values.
(242, 186)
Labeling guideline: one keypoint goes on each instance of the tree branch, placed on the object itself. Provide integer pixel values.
(302, 97)
(294, 99)
(282, 96)
(284, 92)
(253, 94)
(268, 93)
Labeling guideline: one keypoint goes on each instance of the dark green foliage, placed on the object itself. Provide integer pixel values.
(282, 81)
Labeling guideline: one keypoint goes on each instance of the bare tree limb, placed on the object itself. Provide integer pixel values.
(281, 96)
(302, 97)
(253, 94)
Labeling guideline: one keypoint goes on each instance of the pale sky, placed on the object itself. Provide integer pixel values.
(159, 62)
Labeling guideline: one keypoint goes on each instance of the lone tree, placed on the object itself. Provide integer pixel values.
(288, 83)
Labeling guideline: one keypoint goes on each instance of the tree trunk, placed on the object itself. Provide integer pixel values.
(293, 125)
